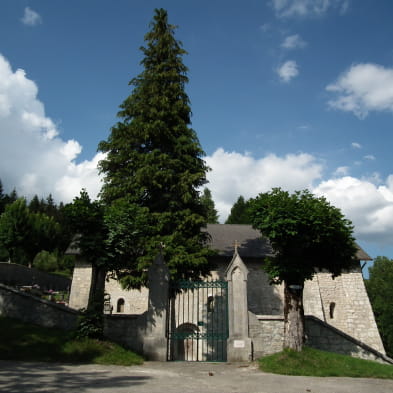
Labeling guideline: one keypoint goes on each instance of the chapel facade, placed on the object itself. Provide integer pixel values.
(235, 314)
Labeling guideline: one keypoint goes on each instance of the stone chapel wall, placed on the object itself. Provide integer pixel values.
(135, 300)
(343, 303)
(263, 298)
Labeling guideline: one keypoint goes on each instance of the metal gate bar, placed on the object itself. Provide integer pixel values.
(198, 321)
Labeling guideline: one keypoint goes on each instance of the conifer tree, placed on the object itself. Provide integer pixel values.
(239, 212)
(2, 198)
(155, 163)
(208, 203)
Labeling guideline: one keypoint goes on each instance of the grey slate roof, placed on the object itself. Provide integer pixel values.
(223, 237)
(250, 242)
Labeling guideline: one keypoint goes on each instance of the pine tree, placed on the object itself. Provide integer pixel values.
(208, 203)
(239, 212)
(2, 198)
(155, 162)
(35, 205)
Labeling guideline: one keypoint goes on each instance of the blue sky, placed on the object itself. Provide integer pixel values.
(290, 93)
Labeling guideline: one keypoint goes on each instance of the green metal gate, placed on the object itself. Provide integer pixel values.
(198, 321)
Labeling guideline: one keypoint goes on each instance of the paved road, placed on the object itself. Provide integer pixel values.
(17, 377)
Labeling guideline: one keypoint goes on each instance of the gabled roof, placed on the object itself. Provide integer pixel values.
(250, 242)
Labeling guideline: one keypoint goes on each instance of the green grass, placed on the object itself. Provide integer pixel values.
(21, 341)
(311, 362)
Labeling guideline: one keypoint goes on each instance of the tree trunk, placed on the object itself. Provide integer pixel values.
(293, 317)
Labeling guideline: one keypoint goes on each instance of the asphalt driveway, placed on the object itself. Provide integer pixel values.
(171, 377)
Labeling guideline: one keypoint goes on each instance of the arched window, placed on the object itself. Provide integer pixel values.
(120, 305)
(332, 306)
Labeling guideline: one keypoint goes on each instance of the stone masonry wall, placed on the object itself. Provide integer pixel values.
(327, 338)
(266, 333)
(263, 298)
(81, 285)
(127, 330)
(344, 304)
(135, 301)
(28, 308)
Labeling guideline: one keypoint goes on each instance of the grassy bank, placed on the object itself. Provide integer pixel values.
(311, 362)
(21, 341)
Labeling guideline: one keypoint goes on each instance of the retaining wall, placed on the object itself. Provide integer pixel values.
(31, 309)
(320, 335)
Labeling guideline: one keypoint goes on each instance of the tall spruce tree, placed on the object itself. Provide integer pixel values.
(208, 203)
(239, 212)
(155, 163)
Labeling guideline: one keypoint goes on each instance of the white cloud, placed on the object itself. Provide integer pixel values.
(367, 202)
(35, 160)
(369, 157)
(235, 174)
(288, 70)
(368, 206)
(33, 157)
(356, 145)
(363, 88)
(305, 8)
(341, 171)
(31, 17)
(293, 42)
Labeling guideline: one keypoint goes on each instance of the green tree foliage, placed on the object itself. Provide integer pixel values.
(154, 162)
(15, 228)
(239, 213)
(35, 205)
(306, 233)
(23, 234)
(54, 262)
(2, 198)
(45, 261)
(44, 234)
(6, 199)
(86, 218)
(31, 228)
(380, 291)
(208, 204)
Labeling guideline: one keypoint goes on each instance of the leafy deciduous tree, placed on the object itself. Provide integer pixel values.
(306, 233)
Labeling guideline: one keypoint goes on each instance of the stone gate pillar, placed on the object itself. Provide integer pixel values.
(155, 341)
(239, 346)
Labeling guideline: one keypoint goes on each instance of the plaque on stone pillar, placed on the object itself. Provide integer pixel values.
(239, 344)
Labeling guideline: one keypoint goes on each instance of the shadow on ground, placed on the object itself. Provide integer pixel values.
(29, 377)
